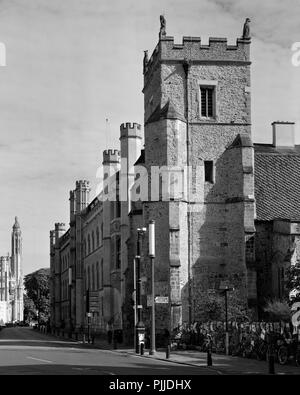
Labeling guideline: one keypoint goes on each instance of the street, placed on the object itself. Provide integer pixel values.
(24, 351)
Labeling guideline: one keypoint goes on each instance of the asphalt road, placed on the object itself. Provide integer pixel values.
(24, 351)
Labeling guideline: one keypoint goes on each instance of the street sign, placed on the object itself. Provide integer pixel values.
(161, 299)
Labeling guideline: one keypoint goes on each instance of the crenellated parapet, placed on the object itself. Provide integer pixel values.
(111, 156)
(191, 49)
(130, 130)
(82, 184)
(59, 226)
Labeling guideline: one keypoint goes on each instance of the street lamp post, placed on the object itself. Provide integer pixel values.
(152, 256)
(226, 289)
(140, 327)
(135, 302)
(70, 306)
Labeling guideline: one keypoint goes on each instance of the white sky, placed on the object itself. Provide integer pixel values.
(71, 64)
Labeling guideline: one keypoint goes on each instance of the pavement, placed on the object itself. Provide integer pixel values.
(221, 364)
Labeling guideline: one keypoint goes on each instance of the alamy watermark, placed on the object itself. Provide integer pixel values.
(152, 184)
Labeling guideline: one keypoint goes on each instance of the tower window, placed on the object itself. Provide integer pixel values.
(209, 171)
(118, 252)
(98, 237)
(207, 101)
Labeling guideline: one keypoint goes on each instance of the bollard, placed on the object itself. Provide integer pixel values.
(168, 351)
(142, 348)
(271, 361)
(209, 355)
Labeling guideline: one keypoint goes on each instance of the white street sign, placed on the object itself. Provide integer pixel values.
(161, 299)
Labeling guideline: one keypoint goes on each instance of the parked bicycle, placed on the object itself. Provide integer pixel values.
(288, 349)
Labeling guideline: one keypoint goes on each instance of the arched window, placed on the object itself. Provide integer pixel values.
(118, 252)
(86, 278)
(89, 278)
(97, 277)
(97, 237)
(93, 277)
(101, 270)
(89, 244)
(93, 241)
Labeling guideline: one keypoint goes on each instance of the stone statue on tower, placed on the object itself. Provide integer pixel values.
(246, 29)
(145, 61)
(162, 32)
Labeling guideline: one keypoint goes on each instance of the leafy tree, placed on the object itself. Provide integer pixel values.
(278, 310)
(37, 289)
(293, 282)
(30, 312)
(212, 307)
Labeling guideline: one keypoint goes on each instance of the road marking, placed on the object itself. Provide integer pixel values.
(107, 372)
(42, 360)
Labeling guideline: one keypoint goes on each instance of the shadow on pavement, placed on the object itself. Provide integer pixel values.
(145, 369)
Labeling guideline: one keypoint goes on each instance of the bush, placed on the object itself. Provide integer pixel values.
(278, 310)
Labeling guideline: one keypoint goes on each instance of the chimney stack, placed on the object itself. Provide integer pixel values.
(283, 134)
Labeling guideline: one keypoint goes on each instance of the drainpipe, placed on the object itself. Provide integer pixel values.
(186, 67)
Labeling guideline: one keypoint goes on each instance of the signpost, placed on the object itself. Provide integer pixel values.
(158, 300)
(161, 299)
(224, 288)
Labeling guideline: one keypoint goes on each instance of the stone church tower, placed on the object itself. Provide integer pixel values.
(11, 279)
(16, 274)
(198, 132)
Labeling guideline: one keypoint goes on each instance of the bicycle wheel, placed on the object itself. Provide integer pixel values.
(297, 357)
(282, 355)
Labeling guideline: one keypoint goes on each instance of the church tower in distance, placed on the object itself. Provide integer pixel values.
(16, 274)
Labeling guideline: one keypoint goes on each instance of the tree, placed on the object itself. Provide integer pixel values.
(293, 282)
(212, 307)
(37, 289)
(30, 312)
(278, 310)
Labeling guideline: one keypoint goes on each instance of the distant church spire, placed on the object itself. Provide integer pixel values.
(16, 273)
(16, 225)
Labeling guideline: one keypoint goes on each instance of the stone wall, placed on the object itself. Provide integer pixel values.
(206, 239)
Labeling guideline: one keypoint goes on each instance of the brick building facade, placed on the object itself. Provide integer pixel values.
(211, 191)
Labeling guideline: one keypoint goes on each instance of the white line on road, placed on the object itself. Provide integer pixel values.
(107, 372)
(42, 360)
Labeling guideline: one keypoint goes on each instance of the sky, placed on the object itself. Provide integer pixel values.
(74, 74)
